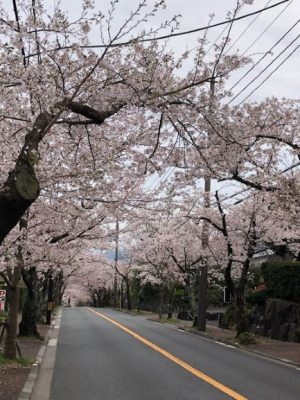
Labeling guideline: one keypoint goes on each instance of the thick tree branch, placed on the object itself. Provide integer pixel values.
(227, 273)
(93, 115)
(289, 143)
(22, 188)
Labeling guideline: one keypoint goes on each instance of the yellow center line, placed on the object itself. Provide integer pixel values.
(176, 360)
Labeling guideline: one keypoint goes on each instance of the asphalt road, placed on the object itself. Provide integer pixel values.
(98, 360)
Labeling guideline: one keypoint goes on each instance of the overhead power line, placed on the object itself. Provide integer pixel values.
(246, 29)
(267, 28)
(264, 70)
(264, 56)
(274, 70)
(171, 35)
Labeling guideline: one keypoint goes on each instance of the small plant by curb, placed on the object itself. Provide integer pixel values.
(23, 362)
(246, 338)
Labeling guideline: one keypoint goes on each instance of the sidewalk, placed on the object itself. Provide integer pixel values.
(13, 375)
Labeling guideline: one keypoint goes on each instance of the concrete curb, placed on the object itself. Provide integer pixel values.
(243, 348)
(240, 347)
(224, 341)
(29, 384)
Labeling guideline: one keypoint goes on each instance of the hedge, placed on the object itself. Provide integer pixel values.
(282, 279)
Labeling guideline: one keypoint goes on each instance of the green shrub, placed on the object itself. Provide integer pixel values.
(282, 279)
(215, 296)
(229, 316)
(258, 298)
(297, 334)
(2, 359)
(246, 338)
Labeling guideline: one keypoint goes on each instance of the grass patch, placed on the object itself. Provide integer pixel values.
(22, 362)
(246, 338)
(2, 359)
(39, 338)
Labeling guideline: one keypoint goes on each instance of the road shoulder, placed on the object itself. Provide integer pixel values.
(38, 384)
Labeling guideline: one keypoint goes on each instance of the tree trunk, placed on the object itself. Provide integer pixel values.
(121, 300)
(128, 297)
(228, 278)
(171, 302)
(242, 323)
(62, 292)
(28, 323)
(58, 287)
(161, 302)
(42, 296)
(50, 300)
(10, 346)
(241, 316)
(201, 317)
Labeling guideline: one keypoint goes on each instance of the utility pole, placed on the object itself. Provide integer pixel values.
(202, 278)
(116, 265)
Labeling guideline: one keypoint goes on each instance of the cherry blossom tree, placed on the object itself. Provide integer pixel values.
(83, 128)
(167, 251)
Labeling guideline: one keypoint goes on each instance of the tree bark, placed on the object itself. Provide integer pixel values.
(21, 188)
(241, 316)
(202, 298)
(242, 323)
(170, 310)
(28, 324)
(128, 296)
(10, 346)
(161, 302)
(49, 300)
(58, 288)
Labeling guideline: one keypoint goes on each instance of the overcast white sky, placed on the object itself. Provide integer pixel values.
(195, 13)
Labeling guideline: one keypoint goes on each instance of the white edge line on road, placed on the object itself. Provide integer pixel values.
(226, 345)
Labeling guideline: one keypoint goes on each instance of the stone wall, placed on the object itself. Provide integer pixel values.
(279, 320)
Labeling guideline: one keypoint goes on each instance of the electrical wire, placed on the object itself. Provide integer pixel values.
(171, 35)
(264, 69)
(267, 28)
(264, 55)
(246, 29)
(278, 66)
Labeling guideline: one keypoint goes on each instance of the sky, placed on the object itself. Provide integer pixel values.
(195, 13)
